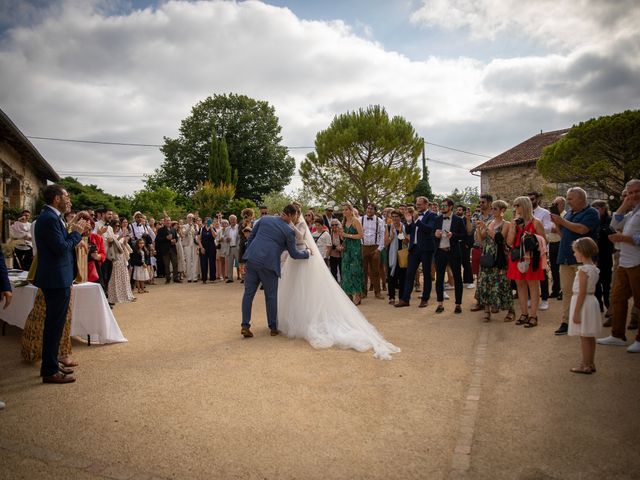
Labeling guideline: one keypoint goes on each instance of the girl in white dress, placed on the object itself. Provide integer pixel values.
(313, 306)
(584, 315)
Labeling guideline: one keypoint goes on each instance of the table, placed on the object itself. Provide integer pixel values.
(91, 316)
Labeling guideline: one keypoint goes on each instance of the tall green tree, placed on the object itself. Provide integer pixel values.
(252, 133)
(364, 156)
(219, 167)
(85, 197)
(602, 153)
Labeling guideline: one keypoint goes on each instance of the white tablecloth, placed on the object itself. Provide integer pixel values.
(90, 312)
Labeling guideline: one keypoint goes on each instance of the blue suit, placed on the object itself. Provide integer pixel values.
(54, 275)
(421, 246)
(269, 238)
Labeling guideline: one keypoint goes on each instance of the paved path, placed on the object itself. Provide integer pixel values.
(187, 397)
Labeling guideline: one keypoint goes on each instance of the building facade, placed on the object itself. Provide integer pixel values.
(24, 173)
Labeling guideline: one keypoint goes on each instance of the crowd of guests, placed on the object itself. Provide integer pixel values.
(514, 255)
(580, 254)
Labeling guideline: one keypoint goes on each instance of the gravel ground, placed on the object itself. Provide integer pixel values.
(188, 397)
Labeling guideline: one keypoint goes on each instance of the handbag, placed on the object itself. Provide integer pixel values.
(403, 258)
(487, 260)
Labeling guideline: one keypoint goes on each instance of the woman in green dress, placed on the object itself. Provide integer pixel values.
(352, 273)
(494, 288)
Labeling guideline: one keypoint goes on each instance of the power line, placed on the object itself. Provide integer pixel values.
(458, 150)
(95, 142)
(126, 144)
(453, 165)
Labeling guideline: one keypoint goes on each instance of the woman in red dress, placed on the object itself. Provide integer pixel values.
(527, 260)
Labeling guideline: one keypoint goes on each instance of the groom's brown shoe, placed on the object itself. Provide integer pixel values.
(401, 303)
(58, 378)
(274, 332)
(246, 333)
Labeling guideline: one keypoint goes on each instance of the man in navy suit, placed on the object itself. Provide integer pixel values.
(421, 247)
(54, 275)
(269, 238)
(450, 232)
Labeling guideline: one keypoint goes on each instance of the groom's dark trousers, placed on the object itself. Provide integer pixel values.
(269, 279)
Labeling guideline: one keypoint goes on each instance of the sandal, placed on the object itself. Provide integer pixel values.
(357, 300)
(582, 369)
(533, 322)
(487, 315)
(524, 318)
(511, 316)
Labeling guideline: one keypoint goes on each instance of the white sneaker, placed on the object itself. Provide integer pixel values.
(2, 405)
(611, 340)
(634, 347)
(446, 297)
(544, 305)
(448, 286)
(469, 285)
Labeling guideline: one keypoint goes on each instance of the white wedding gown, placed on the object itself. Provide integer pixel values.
(313, 306)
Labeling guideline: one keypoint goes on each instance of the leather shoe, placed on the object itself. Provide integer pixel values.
(477, 307)
(423, 303)
(246, 333)
(401, 303)
(274, 332)
(458, 309)
(440, 309)
(58, 378)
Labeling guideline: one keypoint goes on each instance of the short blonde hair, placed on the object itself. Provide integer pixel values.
(501, 204)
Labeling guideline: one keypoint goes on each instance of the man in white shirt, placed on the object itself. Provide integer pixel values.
(20, 233)
(557, 207)
(372, 245)
(626, 278)
(231, 237)
(544, 216)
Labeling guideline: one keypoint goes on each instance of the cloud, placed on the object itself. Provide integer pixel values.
(85, 73)
(563, 23)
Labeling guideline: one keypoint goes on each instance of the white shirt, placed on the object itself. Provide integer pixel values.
(21, 231)
(373, 231)
(630, 223)
(323, 241)
(232, 234)
(446, 225)
(544, 216)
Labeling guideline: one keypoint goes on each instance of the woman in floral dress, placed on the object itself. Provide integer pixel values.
(352, 273)
(494, 288)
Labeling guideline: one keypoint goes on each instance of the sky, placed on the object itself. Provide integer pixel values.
(478, 76)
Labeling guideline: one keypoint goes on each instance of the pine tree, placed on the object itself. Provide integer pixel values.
(214, 156)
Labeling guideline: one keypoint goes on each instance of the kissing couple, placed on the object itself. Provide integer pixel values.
(302, 298)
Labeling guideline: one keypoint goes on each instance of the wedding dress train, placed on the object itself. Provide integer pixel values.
(313, 306)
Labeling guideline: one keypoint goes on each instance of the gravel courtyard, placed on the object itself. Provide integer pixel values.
(188, 397)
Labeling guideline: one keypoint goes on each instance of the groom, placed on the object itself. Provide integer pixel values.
(269, 238)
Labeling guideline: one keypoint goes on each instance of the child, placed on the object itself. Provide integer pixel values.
(584, 316)
(139, 259)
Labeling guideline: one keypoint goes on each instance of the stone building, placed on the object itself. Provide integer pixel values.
(23, 173)
(514, 173)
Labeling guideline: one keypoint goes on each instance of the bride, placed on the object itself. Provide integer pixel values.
(322, 313)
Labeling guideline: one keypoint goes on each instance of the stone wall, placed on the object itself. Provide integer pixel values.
(510, 182)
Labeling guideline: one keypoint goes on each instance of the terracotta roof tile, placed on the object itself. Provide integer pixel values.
(527, 152)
